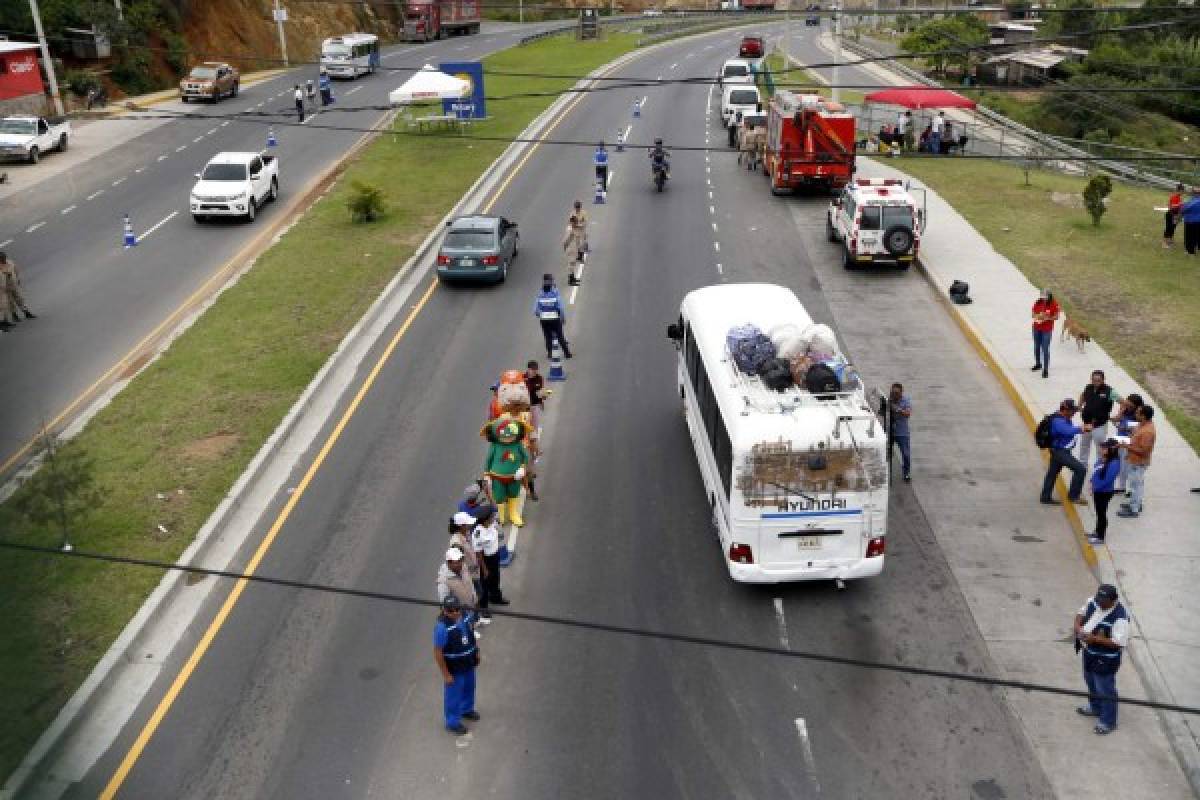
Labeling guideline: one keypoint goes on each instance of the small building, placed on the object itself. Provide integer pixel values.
(21, 87)
(1006, 35)
(1028, 66)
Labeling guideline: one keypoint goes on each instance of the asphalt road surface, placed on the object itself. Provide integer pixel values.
(307, 695)
(96, 300)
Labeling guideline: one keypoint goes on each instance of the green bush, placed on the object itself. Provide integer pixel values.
(366, 202)
(1098, 188)
(80, 81)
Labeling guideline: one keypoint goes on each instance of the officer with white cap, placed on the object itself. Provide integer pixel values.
(453, 580)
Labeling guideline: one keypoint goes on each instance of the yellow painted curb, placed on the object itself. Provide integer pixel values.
(1023, 406)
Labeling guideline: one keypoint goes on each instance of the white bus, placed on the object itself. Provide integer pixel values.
(350, 55)
(797, 482)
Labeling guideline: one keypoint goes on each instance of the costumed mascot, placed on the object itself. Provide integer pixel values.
(507, 463)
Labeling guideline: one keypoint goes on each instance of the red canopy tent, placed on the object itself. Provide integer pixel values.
(918, 97)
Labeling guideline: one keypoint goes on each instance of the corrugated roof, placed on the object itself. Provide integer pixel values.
(16, 47)
(1040, 59)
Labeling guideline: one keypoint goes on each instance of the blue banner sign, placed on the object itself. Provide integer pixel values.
(471, 106)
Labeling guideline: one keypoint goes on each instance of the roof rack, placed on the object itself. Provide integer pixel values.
(757, 397)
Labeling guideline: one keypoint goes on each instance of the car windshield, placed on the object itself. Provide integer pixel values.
(873, 220)
(471, 240)
(736, 70)
(335, 51)
(21, 127)
(224, 172)
(743, 97)
(203, 72)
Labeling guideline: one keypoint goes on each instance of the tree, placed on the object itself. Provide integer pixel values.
(1098, 188)
(947, 41)
(62, 491)
(365, 202)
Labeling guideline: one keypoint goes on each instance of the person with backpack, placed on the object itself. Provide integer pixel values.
(1104, 486)
(1057, 433)
(1101, 633)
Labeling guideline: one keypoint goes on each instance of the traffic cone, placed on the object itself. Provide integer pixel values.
(130, 239)
(557, 373)
(271, 140)
(637, 109)
(620, 141)
(599, 199)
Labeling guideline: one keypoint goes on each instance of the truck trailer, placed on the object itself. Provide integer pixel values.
(810, 142)
(426, 20)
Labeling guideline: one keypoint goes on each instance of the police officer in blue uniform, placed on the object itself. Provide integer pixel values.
(326, 87)
(548, 309)
(1102, 632)
(457, 655)
(600, 159)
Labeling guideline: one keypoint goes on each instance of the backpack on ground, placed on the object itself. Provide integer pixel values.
(1041, 436)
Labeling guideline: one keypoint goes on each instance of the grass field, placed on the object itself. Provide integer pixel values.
(170, 446)
(798, 79)
(1139, 301)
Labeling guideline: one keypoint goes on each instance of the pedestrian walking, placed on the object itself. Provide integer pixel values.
(581, 224)
(1124, 421)
(1189, 212)
(937, 129)
(1096, 402)
(548, 309)
(1171, 217)
(298, 98)
(1104, 486)
(600, 162)
(461, 525)
(1045, 312)
(485, 540)
(453, 580)
(573, 246)
(1062, 441)
(7, 313)
(900, 409)
(1101, 632)
(1139, 450)
(456, 653)
(10, 276)
(326, 87)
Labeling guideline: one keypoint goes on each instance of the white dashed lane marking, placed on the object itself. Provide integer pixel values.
(717, 246)
(181, 148)
(68, 209)
(197, 139)
(162, 158)
(6, 243)
(352, 91)
(211, 132)
(96, 194)
(118, 181)
(34, 227)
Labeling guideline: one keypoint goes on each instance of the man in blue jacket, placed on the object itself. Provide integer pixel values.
(1189, 212)
(548, 309)
(1062, 440)
(456, 654)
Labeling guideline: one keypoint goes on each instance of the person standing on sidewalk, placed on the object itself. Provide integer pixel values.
(1062, 440)
(1045, 312)
(1101, 632)
(1139, 449)
(548, 309)
(1097, 400)
(1189, 212)
(1124, 421)
(1171, 217)
(899, 411)
(456, 653)
(1104, 486)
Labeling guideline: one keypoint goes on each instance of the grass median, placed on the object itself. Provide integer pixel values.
(168, 448)
(1138, 301)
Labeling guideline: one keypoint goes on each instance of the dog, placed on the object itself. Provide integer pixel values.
(1074, 330)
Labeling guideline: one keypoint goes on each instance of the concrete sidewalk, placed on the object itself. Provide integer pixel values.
(1154, 559)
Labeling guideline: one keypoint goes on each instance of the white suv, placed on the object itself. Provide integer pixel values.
(877, 221)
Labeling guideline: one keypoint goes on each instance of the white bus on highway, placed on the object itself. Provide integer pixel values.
(350, 55)
(797, 481)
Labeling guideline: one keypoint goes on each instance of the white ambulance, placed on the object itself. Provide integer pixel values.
(877, 221)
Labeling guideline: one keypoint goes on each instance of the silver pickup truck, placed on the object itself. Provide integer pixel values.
(26, 138)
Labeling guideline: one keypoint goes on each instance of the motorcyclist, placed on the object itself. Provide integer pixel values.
(660, 155)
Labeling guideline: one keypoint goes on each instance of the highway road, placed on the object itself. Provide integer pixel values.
(307, 695)
(97, 301)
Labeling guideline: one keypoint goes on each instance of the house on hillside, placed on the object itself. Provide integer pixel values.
(1031, 67)
(1008, 36)
(21, 87)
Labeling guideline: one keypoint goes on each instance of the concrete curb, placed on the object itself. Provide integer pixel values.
(133, 104)
(254, 487)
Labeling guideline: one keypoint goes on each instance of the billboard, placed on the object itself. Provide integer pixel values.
(472, 106)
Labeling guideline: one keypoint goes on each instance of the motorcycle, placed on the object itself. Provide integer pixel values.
(659, 169)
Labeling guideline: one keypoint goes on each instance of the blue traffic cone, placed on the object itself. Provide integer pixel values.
(599, 199)
(620, 141)
(557, 373)
(271, 140)
(130, 240)
(637, 109)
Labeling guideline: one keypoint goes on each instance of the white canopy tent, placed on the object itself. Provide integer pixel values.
(429, 84)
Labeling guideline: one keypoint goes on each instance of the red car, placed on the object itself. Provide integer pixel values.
(751, 47)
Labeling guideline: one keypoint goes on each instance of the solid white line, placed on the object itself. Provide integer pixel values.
(717, 246)
(810, 764)
(181, 148)
(118, 181)
(161, 222)
(6, 243)
(68, 209)
(352, 91)
(211, 132)
(780, 620)
(34, 227)
(95, 194)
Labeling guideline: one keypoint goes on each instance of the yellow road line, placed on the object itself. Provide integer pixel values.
(164, 705)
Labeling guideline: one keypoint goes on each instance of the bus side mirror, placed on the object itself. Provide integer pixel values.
(675, 332)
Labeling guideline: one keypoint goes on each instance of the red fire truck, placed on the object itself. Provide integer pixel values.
(810, 142)
(426, 20)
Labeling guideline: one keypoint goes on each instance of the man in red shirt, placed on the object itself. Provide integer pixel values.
(1045, 312)
(1171, 218)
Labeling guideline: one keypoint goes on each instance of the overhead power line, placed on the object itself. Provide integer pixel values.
(600, 627)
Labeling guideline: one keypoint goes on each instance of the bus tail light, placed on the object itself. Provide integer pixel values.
(741, 553)
(875, 547)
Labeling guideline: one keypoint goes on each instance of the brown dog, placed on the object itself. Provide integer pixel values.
(1075, 331)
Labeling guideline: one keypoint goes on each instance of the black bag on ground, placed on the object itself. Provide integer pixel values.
(821, 379)
(776, 374)
(1041, 435)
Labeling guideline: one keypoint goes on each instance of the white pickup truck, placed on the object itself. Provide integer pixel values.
(235, 185)
(26, 138)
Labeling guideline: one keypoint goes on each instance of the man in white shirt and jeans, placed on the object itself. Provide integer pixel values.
(938, 127)
(1101, 633)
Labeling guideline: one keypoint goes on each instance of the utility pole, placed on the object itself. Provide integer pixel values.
(521, 11)
(280, 17)
(41, 34)
(837, 50)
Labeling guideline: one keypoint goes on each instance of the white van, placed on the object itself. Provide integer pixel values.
(797, 482)
(738, 97)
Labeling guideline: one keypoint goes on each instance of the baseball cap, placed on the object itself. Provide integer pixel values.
(472, 491)
(454, 554)
(1106, 591)
(451, 603)
(463, 518)
(1069, 404)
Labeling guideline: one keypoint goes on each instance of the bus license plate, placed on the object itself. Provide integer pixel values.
(808, 542)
